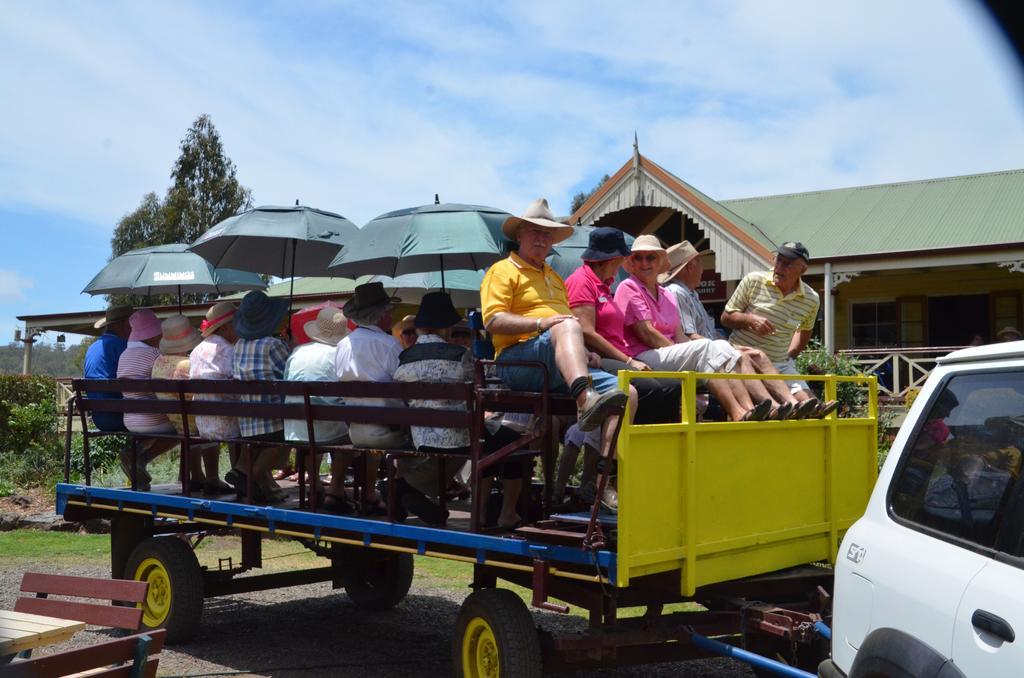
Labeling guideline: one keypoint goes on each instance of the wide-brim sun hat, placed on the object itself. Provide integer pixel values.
(648, 243)
(145, 325)
(436, 312)
(538, 214)
(679, 255)
(259, 315)
(178, 337)
(605, 243)
(113, 315)
(1010, 331)
(366, 297)
(219, 314)
(329, 327)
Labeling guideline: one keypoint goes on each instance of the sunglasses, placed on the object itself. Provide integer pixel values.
(644, 257)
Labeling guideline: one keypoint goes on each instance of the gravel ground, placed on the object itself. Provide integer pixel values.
(314, 631)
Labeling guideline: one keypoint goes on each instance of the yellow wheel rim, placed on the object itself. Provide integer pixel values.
(157, 605)
(479, 650)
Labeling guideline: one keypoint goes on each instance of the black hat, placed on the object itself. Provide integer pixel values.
(259, 315)
(366, 296)
(605, 243)
(436, 311)
(792, 250)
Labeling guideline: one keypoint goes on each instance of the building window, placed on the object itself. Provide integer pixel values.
(874, 324)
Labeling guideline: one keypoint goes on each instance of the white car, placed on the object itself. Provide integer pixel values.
(930, 581)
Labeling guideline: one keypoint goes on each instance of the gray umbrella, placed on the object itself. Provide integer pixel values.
(425, 239)
(168, 269)
(281, 241)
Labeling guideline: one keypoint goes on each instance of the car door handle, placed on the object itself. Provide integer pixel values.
(997, 626)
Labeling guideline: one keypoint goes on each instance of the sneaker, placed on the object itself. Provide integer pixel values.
(610, 498)
(599, 406)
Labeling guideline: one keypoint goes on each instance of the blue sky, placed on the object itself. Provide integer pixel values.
(361, 108)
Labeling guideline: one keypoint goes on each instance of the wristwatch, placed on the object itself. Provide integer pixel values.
(538, 324)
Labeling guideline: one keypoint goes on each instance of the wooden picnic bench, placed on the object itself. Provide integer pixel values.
(134, 656)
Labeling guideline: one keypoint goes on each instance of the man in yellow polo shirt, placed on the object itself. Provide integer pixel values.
(526, 310)
(775, 312)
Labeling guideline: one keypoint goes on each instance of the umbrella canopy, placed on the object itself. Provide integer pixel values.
(436, 237)
(168, 269)
(463, 286)
(565, 256)
(281, 241)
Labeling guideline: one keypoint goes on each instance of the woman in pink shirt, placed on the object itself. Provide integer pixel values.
(654, 335)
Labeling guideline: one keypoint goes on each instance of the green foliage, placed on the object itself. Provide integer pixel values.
(580, 198)
(54, 360)
(103, 454)
(29, 446)
(815, 359)
(204, 192)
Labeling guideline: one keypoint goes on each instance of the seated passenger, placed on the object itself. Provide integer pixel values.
(314, 361)
(212, 359)
(433, 359)
(404, 331)
(526, 310)
(136, 362)
(178, 340)
(682, 280)
(260, 355)
(654, 336)
(101, 362)
(369, 353)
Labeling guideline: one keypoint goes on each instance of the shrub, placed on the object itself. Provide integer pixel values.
(816, 359)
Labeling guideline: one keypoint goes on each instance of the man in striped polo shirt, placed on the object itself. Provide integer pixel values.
(775, 312)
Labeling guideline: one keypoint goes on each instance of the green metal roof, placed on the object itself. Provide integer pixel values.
(307, 286)
(978, 209)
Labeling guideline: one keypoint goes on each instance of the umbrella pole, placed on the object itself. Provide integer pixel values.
(179, 299)
(442, 267)
(291, 290)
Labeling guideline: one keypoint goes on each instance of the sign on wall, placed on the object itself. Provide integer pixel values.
(712, 288)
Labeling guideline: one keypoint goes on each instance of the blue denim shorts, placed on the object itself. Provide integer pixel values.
(540, 349)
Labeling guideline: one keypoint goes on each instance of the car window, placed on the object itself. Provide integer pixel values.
(960, 475)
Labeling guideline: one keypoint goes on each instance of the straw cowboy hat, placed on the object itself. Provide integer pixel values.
(1009, 333)
(145, 325)
(648, 243)
(219, 314)
(679, 255)
(329, 327)
(367, 296)
(538, 214)
(179, 337)
(259, 316)
(113, 315)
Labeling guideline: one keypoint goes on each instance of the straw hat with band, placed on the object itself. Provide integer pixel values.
(145, 325)
(679, 255)
(178, 336)
(648, 243)
(538, 214)
(368, 296)
(329, 327)
(114, 314)
(259, 316)
(219, 314)
(437, 312)
(1009, 331)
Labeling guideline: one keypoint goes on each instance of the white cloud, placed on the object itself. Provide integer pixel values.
(13, 286)
(365, 108)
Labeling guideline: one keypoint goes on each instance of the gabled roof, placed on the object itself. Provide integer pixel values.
(913, 217)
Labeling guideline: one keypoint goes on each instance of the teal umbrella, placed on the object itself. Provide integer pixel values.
(168, 269)
(463, 286)
(280, 241)
(566, 257)
(438, 237)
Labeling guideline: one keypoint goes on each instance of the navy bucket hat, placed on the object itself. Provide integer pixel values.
(259, 316)
(605, 243)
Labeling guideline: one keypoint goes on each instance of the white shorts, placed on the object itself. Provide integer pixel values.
(788, 366)
(699, 355)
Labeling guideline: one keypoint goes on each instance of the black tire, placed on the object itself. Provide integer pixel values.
(495, 635)
(175, 598)
(377, 580)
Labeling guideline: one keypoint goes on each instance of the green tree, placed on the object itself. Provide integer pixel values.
(203, 192)
(580, 198)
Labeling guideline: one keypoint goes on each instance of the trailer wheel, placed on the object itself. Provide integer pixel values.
(377, 580)
(174, 600)
(495, 636)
